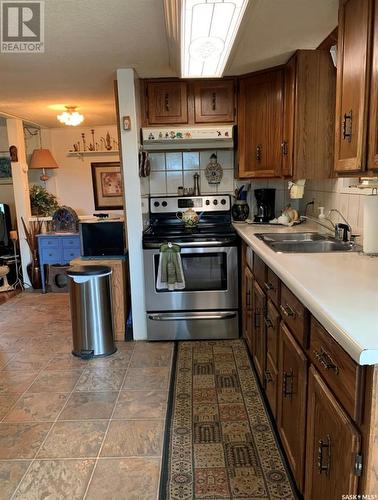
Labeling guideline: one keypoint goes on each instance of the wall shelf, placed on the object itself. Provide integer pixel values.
(81, 154)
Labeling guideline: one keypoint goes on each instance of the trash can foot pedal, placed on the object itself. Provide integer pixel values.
(86, 354)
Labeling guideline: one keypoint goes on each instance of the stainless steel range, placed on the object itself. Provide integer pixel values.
(207, 308)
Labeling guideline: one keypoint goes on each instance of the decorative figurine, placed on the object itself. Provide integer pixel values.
(13, 154)
(214, 171)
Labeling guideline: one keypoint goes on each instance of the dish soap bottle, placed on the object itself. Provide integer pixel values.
(321, 217)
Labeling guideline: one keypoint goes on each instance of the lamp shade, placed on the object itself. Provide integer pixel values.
(42, 158)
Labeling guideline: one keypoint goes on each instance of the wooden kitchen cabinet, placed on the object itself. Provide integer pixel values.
(309, 115)
(166, 102)
(292, 383)
(373, 108)
(247, 307)
(214, 101)
(333, 445)
(272, 325)
(260, 116)
(352, 85)
(258, 331)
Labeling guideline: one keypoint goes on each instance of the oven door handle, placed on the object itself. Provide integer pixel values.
(194, 244)
(190, 316)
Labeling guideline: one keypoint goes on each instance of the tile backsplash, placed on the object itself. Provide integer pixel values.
(169, 170)
(335, 193)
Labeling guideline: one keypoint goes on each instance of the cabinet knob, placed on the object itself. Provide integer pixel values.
(268, 377)
(288, 311)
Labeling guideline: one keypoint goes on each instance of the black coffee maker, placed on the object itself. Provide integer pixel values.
(265, 204)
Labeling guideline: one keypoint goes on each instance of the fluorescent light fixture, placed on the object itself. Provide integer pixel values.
(208, 32)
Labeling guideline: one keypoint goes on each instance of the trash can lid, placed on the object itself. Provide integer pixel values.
(89, 270)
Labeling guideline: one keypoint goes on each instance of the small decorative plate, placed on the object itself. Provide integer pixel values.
(214, 171)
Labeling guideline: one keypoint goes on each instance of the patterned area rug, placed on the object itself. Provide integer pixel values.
(219, 440)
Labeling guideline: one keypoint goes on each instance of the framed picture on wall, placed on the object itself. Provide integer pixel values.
(107, 186)
(5, 168)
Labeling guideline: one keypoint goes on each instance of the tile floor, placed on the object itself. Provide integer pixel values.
(73, 429)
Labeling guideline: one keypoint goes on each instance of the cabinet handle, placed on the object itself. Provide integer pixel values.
(326, 360)
(268, 377)
(347, 126)
(248, 301)
(268, 286)
(256, 321)
(285, 148)
(287, 310)
(214, 101)
(268, 323)
(166, 101)
(324, 451)
(287, 384)
(258, 152)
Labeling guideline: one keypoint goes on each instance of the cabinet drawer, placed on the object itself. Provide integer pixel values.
(71, 242)
(49, 242)
(272, 287)
(259, 270)
(51, 255)
(272, 330)
(295, 315)
(339, 370)
(70, 253)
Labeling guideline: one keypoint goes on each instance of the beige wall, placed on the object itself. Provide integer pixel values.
(72, 181)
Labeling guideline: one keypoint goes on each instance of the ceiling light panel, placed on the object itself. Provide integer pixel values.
(208, 31)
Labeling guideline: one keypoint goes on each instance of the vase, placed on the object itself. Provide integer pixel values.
(240, 210)
(34, 272)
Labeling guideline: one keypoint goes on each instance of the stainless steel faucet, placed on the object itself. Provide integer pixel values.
(342, 231)
(318, 221)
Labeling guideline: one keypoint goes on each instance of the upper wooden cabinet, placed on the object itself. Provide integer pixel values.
(373, 108)
(352, 85)
(309, 115)
(181, 102)
(166, 102)
(214, 101)
(260, 115)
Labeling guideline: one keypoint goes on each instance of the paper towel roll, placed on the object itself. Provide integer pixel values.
(370, 236)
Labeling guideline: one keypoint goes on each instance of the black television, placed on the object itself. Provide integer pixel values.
(102, 239)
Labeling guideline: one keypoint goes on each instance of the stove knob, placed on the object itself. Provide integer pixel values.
(156, 204)
(164, 203)
(223, 201)
(207, 202)
(215, 202)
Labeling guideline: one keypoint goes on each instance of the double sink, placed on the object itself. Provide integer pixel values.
(306, 243)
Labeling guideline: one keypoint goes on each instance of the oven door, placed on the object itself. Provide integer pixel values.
(211, 280)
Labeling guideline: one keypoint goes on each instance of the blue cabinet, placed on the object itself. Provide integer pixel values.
(57, 249)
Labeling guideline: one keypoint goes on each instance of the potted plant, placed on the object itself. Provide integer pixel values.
(43, 203)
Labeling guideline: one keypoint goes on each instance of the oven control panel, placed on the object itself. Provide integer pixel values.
(168, 204)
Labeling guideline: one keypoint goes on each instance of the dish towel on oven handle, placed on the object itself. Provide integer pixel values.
(170, 273)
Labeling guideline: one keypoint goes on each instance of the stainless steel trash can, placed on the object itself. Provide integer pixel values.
(91, 311)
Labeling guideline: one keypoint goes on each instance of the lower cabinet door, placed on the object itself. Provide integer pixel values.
(247, 307)
(259, 333)
(292, 387)
(332, 445)
(271, 383)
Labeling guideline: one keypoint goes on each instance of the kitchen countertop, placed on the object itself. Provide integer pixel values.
(339, 289)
